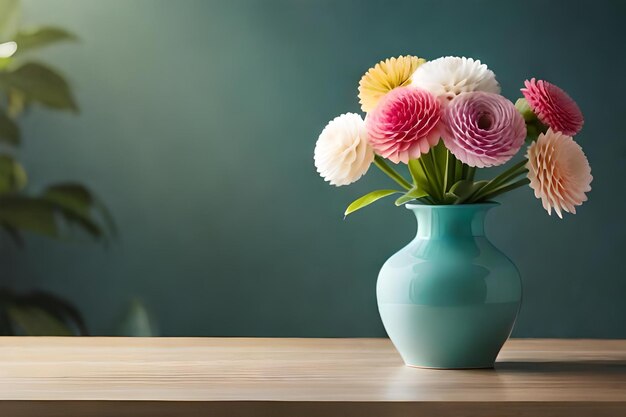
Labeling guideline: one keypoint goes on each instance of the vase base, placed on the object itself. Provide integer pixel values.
(454, 368)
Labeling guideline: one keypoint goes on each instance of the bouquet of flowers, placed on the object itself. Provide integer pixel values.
(445, 118)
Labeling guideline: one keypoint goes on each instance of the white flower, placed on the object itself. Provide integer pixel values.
(450, 76)
(343, 153)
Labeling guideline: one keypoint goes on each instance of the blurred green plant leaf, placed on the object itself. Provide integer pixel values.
(368, 199)
(5, 62)
(77, 204)
(14, 234)
(12, 175)
(35, 321)
(9, 131)
(70, 202)
(70, 196)
(56, 306)
(137, 321)
(10, 14)
(41, 84)
(38, 313)
(39, 37)
(28, 213)
(16, 102)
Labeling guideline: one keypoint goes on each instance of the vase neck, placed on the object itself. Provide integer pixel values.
(434, 222)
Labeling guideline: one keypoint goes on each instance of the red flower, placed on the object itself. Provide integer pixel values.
(553, 106)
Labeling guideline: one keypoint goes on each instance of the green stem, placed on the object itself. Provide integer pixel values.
(435, 167)
(502, 178)
(427, 175)
(379, 161)
(505, 188)
(471, 172)
(427, 161)
(458, 170)
(513, 172)
(448, 178)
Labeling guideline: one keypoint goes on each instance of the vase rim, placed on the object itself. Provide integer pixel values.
(487, 204)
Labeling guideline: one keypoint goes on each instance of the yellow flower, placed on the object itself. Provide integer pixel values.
(384, 77)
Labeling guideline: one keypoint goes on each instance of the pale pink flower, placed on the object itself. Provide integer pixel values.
(559, 172)
(553, 106)
(483, 129)
(404, 124)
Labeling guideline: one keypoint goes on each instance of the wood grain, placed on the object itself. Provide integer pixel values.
(301, 377)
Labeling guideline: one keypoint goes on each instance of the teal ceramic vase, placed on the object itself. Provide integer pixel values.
(449, 298)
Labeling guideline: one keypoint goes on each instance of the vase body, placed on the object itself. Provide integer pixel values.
(449, 298)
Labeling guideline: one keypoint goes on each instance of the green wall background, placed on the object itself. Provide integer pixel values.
(198, 124)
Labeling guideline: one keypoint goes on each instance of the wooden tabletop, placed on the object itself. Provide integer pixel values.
(301, 377)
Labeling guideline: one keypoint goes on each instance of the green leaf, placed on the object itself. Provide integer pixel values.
(5, 62)
(38, 313)
(35, 321)
(40, 84)
(440, 154)
(41, 36)
(71, 196)
(9, 131)
(10, 14)
(450, 198)
(433, 164)
(420, 177)
(465, 189)
(28, 213)
(462, 188)
(14, 234)
(417, 172)
(368, 199)
(71, 202)
(16, 102)
(76, 203)
(410, 195)
(137, 321)
(12, 175)
(56, 306)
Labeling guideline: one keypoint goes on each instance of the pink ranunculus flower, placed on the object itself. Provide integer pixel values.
(553, 106)
(559, 172)
(483, 129)
(404, 124)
